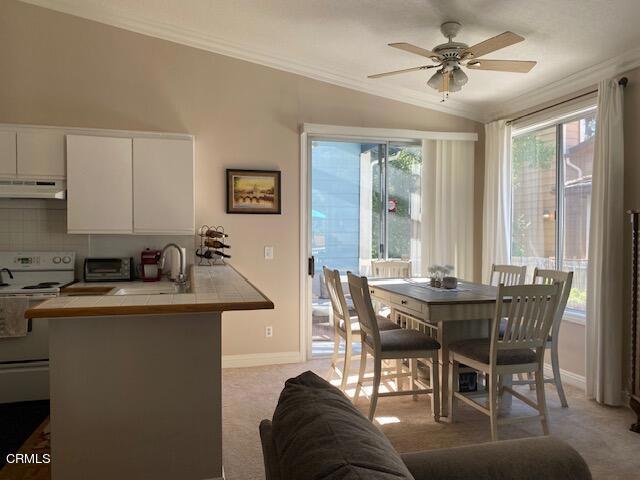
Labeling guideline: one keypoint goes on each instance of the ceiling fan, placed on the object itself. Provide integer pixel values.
(450, 57)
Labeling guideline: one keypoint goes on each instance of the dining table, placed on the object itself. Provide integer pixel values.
(449, 315)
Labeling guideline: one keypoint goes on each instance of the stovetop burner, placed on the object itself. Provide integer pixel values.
(41, 285)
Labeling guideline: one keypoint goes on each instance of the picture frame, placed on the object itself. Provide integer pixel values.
(254, 192)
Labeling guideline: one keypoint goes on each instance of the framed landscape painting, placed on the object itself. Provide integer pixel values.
(253, 191)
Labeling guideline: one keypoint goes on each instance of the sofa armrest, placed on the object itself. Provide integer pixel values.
(525, 459)
(271, 466)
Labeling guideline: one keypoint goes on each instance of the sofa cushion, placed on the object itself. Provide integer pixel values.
(319, 434)
(524, 459)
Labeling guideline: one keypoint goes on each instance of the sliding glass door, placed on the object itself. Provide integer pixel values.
(365, 206)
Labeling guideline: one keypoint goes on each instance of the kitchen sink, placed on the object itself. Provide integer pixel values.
(164, 290)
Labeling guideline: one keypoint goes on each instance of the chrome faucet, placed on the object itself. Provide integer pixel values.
(181, 281)
(1, 279)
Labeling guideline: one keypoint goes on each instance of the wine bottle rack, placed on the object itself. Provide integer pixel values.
(211, 255)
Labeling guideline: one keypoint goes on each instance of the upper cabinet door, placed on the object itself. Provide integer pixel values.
(8, 153)
(99, 184)
(163, 192)
(41, 153)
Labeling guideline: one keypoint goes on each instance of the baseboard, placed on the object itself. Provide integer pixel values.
(568, 378)
(258, 359)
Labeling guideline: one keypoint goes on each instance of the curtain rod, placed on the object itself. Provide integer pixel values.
(622, 82)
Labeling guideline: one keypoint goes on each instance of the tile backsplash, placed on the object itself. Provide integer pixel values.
(41, 225)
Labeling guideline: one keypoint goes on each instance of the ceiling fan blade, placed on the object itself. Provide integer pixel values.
(492, 44)
(407, 47)
(405, 70)
(445, 83)
(517, 66)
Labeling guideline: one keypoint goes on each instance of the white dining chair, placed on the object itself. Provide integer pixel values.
(345, 325)
(396, 344)
(530, 312)
(391, 268)
(507, 275)
(564, 279)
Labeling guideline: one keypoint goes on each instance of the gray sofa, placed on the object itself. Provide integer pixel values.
(316, 433)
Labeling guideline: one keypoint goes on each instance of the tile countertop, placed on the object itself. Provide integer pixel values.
(213, 289)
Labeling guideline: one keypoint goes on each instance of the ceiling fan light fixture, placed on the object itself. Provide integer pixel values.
(436, 80)
(453, 87)
(459, 77)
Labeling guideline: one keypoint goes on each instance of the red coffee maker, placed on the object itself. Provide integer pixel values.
(150, 265)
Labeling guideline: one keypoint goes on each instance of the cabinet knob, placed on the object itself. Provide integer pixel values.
(403, 302)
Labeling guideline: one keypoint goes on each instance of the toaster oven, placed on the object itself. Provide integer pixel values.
(108, 269)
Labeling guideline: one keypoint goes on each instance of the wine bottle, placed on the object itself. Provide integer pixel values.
(211, 254)
(215, 234)
(209, 242)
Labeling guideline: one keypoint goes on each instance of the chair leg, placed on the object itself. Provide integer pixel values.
(453, 387)
(413, 366)
(348, 352)
(542, 404)
(363, 368)
(435, 388)
(493, 404)
(532, 385)
(334, 357)
(399, 377)
(557, 379)
(377, 368)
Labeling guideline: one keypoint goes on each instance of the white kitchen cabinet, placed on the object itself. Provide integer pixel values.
(41, 153)
(99, 184)
(8, 153)
(163, 186)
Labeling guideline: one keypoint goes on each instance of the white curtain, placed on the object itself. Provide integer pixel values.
(496, 232)
(447, 205)
(605, 270)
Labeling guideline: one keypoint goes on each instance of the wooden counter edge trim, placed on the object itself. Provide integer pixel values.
(61, 312)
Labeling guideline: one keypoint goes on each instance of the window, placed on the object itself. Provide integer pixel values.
(551, 199)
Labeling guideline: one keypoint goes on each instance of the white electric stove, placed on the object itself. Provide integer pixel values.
(24, 361)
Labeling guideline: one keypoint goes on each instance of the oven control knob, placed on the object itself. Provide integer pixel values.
(66, 259)
(57, 259)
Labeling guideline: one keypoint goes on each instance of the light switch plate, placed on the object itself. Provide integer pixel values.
(268, 252)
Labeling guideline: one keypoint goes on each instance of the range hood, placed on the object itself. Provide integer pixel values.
(27, 188)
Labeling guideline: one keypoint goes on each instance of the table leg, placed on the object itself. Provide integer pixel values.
(443, 359)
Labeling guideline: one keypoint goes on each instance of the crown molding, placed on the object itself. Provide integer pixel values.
(202, 41)
(587, 78)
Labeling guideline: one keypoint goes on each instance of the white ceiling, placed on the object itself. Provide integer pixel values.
(575, 42)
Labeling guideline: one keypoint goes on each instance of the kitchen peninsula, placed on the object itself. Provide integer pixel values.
(135, 376)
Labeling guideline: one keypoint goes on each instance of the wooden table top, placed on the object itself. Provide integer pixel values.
(418, 289)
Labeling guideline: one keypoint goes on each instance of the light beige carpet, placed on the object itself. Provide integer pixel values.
(600, 434)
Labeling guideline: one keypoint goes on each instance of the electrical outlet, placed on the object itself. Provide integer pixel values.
(268, 252)
(268, 331)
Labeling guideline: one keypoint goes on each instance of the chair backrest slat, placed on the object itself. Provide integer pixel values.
(530, 311)
(507, 275)
(339, 305)
(548, 277)
(359, 288)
